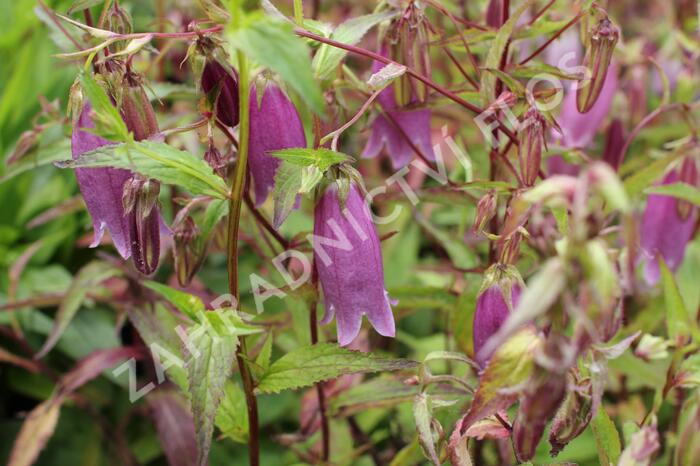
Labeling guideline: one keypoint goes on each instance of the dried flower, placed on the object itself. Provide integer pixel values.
(667, 225)
(531, 135)
(102, 188)
(188, 251)
(136, 109)
(349, 261)
(499, 295)
(602, 40)
(220, 83)
(140, 203)
(274, 125)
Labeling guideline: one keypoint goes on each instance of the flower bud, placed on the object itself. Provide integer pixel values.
(140, 201)
(651, 347)
(614, 144)
(531, 136)
(499, 295)
(572, 417)
(485, 211)
(542, 397)
(409, 46)
(220, 83)
(187, 251)
(136, 109)
(349, 262)
(216, 160)
(494, 14)
(118, 20)
(642, 447)
(601, 45)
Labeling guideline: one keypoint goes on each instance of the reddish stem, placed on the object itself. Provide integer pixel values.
(539, 50)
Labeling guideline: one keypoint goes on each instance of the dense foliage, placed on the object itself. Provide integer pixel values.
(350, 233)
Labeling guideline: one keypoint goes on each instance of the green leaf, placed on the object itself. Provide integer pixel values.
(232, 415)
(531, 71)
(682, 191)
(159, 161)
(60, 150)
(641, 179)
(515, 86)
(274, 45)
(308, 365)
(678, 322)
(85, 281)
(509, 367)
(79, 5)
(422, 297)
(212, 351)
(321, 158)
(37, 429)
(188, 304)
(498, 47)
(607, 438)
(287, 186)
(108, 122)
(379, 392)
(350, 32)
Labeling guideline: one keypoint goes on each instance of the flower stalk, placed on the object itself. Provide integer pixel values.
(234, 218)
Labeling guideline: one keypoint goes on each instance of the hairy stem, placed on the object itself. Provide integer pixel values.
(313, 324)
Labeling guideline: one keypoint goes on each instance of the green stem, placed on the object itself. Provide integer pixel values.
(299, 13)
(234, 218)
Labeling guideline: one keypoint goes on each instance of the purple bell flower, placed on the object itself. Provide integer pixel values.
(216, 75)
(275, 125)
(668, 225)
(492, 308)
(399, 129)
(102, 188)
(349, 263)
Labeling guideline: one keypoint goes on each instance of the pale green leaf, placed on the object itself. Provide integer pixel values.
(678, 320)
(498, 47)
(159, 161)
(108, 122)
(350, 32)
(188, 304)
(287, 185)
(308, 365)
(321, 158)
(232, 415)
(607, 438)
(681, 191)
(85, 281)
(274, 45)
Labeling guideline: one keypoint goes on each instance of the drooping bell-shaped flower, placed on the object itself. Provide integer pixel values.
(222, 82)
(348, 257)
(102, 188)
(401, 130)
(668, 224)
(498, 297)
(274, 125)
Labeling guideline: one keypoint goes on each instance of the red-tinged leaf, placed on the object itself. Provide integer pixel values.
(94, 364)
(488, 428)
(508, 368)
(35, 432)
(173, 419)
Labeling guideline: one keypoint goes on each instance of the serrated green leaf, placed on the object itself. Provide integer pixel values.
(274, 45)
(682, 191)
(159, 161)
(320, 158)
(188, 304)
(308, 365)
(85, 281)
(232, 415)
(287, 186)
(350, 32)
(498, 47)
(211, 357)
(607, 438)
